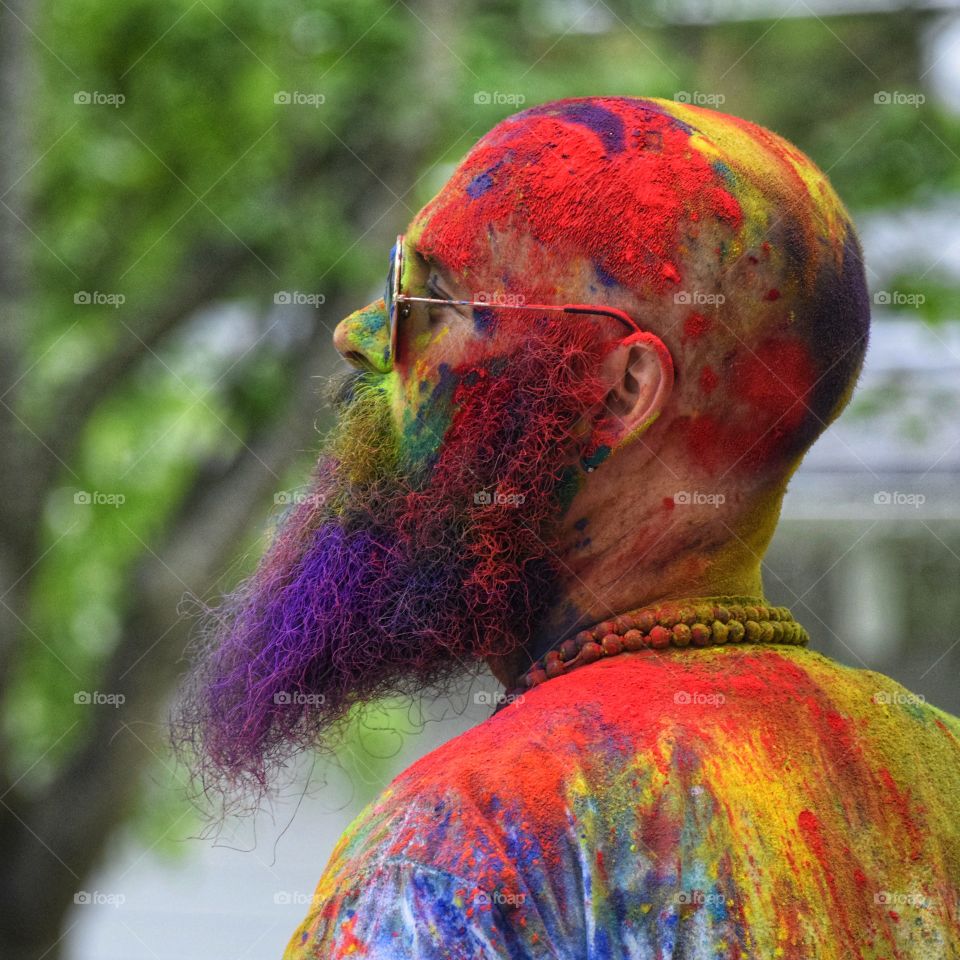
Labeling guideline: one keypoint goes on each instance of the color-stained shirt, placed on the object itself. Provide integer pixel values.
(729, 802)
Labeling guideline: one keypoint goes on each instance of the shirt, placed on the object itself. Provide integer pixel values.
(727, 802)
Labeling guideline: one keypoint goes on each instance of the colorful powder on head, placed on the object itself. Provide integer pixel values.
(702, 199)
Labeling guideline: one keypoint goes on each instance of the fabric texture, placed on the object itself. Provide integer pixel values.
(733, 802)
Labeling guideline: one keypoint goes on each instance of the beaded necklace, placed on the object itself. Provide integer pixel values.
(700, 622)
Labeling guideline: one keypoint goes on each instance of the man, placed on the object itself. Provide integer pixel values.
(581, 498)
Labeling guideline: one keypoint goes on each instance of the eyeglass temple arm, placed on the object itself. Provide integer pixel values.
(666, 358)
(639, 333)
(566, 308)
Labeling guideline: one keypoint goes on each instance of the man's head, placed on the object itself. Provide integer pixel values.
(494, 469)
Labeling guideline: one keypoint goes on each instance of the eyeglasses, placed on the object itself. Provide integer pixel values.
(398, 304)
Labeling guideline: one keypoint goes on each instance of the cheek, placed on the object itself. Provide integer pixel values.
(423, 397)
(422, 406)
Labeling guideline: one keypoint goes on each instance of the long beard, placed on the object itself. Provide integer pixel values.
(388, 578)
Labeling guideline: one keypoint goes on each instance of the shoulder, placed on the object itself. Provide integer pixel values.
(447, 810)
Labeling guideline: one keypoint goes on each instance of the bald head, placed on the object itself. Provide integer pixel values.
(717, 235)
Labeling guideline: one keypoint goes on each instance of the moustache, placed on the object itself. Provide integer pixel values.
(343, 388)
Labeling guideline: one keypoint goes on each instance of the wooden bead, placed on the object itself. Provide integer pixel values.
(667, 615)
(554, 668)
(612, 645)
(645, 621)
(569, 649)
(700, 635)
(688, 615)
(659, 637)
(590, 652)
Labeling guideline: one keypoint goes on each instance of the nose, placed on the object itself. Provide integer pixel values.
(363, 338)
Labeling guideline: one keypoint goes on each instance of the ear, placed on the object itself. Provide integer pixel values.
(640, 373)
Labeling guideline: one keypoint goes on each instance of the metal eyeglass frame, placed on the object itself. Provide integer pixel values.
(395, 297)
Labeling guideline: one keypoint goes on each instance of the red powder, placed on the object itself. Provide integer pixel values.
(726, 206)
(811, 830)
(774, 380)
(516, 178)
(668, 503)
(695, 326)
(704, 439)
(777, 377)
(670, 272)
(900, 801)
(708, 379)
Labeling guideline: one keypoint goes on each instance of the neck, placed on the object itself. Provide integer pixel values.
(585, 607)
(664, 555)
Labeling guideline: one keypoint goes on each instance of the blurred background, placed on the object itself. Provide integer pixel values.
(192, 194)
